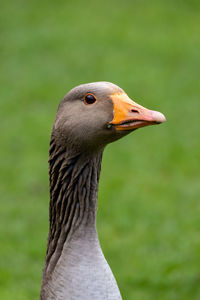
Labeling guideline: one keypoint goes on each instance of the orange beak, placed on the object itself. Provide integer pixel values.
(129, 115)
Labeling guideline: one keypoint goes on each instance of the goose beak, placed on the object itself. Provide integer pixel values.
(128, 115)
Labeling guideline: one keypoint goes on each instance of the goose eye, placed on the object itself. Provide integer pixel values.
(89, 99)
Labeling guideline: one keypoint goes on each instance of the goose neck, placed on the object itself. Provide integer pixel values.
(74, 181)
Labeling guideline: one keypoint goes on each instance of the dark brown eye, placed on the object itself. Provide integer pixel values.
(89, 99)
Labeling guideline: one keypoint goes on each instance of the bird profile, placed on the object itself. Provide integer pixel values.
(89, 117)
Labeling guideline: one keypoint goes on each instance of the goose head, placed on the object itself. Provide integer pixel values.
(95, 114)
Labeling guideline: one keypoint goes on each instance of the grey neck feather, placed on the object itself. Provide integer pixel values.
(74, 255)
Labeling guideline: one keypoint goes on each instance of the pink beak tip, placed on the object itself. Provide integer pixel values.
(158, 117)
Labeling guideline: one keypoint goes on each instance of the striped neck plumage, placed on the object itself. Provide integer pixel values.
(73, 197)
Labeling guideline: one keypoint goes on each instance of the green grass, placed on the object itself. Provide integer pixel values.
(149, 207)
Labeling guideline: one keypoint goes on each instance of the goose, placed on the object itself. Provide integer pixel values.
(88, 118)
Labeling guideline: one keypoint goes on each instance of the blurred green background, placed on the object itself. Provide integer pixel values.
(149, 208)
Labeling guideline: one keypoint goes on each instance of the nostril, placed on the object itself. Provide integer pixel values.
(134, 111)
